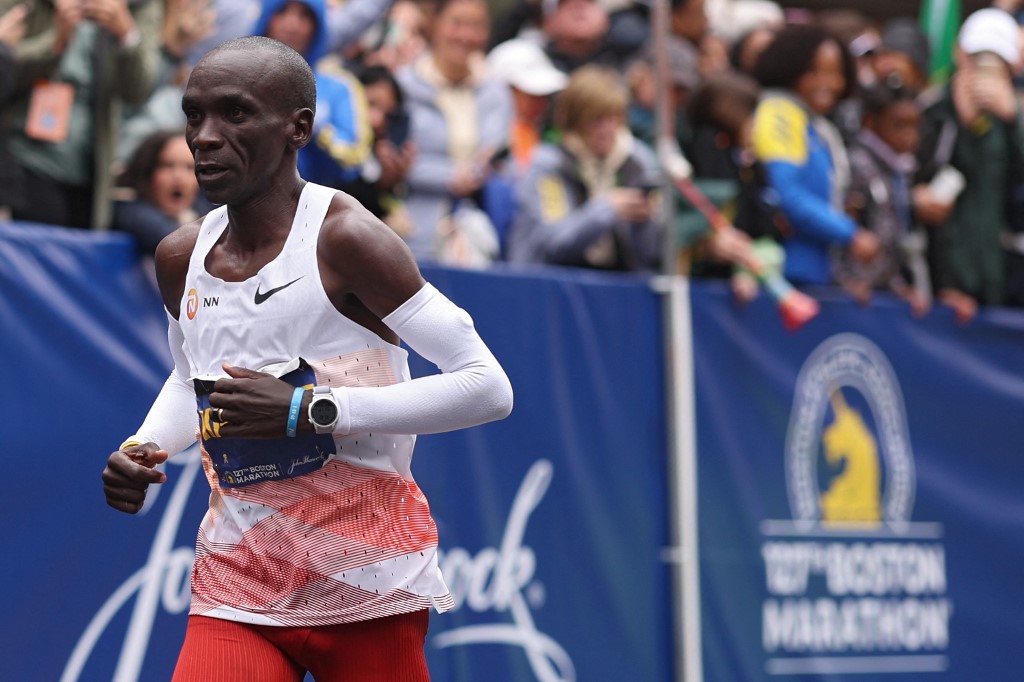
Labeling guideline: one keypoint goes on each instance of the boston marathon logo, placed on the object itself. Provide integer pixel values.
(854, 585)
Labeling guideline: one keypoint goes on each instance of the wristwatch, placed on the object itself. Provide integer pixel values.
(323, 410)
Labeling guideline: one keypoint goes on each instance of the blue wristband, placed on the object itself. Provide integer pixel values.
(293, 412)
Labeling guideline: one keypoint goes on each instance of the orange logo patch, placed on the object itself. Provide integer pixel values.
(192, 307)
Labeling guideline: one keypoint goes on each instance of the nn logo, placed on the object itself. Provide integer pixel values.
(192, 303)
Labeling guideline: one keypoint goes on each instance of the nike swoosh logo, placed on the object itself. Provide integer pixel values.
(260, 298)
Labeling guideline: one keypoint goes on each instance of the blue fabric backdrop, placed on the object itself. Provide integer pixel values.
(552, 518)
(934, 585)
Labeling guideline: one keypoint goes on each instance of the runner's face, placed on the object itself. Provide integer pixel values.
(236, 126)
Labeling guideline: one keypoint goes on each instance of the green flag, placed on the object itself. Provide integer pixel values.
(940, 20)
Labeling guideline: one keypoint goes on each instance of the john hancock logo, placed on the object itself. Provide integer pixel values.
(853, 585)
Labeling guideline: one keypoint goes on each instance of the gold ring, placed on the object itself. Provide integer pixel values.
(220, 414)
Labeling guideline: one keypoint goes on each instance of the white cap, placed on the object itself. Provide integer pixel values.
(523, 65)
(991, 30)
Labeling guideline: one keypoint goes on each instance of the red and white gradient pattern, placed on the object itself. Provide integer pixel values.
(349, 542)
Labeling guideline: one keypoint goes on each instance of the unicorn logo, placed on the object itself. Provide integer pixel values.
(867, 468)
(853, 494)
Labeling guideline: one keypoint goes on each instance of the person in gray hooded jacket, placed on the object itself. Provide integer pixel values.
(587, 202)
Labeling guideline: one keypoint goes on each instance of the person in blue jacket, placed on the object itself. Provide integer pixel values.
(342, 136)
(805, 72)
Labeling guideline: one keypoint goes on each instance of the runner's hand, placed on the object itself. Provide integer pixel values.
(128, 474)
(255, 404)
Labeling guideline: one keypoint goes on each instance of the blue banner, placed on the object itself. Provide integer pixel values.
(552, 522)
(859, 509)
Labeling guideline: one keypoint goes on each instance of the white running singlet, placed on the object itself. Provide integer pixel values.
(351, 541)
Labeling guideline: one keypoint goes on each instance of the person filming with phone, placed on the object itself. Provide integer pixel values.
(972, 155)
(589, 201)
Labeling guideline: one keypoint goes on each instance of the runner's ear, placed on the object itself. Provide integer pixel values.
(302, 128)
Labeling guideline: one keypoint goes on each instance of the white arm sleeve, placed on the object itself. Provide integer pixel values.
(172, 421)
(472, 389)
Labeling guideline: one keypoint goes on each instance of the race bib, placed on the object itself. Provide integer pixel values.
(244, 461)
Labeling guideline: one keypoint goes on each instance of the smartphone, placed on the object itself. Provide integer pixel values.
(947, 184)
(396, 125)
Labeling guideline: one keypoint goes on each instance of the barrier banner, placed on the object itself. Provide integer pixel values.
(859, 492)
(552, 522)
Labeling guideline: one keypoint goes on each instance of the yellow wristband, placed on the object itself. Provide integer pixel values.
(129, 443)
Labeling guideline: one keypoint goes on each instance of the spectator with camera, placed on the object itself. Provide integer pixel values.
(972, 156)
(78, 64)
(587, 202)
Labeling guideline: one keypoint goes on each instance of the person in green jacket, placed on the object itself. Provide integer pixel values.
(972, 154)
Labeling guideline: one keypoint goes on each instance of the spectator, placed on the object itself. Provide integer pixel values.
(643, 85)
(162, 192)
(973, 134)
(341, 132)
(186, 22)
(12, 28)
(575, 33)
(689, 21)
(345, 22)
(380, 186)
(460, 119)
(904, 55)
(629, 28)
(524, 67)
(882, 163)
(720, 150)
(748, 47)
(79, 62)
(898, 58)
(585, 202)
(809, 71)
(398, 41)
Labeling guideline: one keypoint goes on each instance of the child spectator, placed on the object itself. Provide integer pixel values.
(882, 162)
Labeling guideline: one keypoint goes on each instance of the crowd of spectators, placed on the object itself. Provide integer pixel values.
(834, 148)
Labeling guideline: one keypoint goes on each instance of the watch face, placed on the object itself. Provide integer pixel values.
(323, 412)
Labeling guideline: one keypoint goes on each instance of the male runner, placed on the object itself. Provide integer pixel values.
(285, 306)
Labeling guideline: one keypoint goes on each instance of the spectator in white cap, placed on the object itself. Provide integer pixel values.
(972, 156)
(533, 80)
